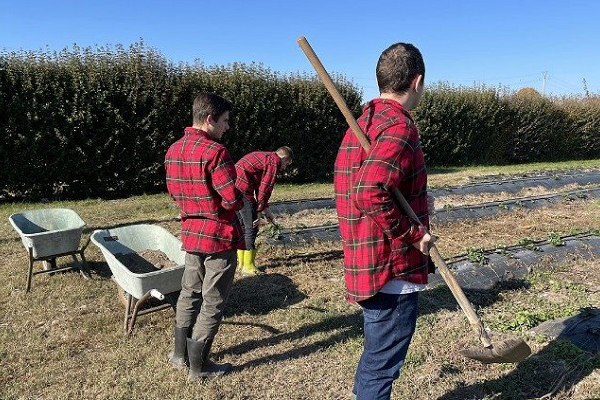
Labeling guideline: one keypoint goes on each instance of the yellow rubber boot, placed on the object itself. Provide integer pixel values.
(240, 258)
(249, 267)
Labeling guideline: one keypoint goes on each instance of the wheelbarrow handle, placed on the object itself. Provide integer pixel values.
(447, 275)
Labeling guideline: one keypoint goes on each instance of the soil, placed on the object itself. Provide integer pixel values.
(145, 261)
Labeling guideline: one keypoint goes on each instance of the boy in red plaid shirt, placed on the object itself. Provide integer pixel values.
(201, 180)
(256, 175)
(385, 254)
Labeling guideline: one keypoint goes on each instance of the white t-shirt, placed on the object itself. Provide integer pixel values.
(398, 286)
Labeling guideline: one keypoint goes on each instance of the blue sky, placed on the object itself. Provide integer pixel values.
(510, 43)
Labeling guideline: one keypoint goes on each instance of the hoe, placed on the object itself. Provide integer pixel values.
(506, 351)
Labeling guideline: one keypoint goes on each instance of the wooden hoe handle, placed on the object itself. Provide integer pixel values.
(449, 278)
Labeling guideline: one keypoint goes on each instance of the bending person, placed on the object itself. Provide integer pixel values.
(256, 175)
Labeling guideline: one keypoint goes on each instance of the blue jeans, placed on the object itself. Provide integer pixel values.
(389, 324)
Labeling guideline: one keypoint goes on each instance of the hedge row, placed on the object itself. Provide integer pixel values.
(85, 122)
(97, 122)
(463, 126)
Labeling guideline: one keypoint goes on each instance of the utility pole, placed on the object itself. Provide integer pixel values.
(544, 77)
(585, 88)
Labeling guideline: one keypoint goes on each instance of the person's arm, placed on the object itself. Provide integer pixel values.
(269, 216)
(223, 181)
(266, 185)
(382, 172)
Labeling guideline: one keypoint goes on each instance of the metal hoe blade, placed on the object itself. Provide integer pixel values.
(507, 351)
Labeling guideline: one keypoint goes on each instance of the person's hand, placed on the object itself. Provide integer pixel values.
(256, 223)
(430, 204)
(269, 215)
(424, 244)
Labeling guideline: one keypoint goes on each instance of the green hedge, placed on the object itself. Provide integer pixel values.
(468, 126)
(97, 122)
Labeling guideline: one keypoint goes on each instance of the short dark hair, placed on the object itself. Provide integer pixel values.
(206, 104)
(285, 151)
(398, 65)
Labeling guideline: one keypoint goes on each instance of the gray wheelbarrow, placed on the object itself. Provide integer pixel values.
(118, 243)
(48, 234)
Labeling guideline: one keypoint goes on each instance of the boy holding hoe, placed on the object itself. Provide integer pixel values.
(385, 254)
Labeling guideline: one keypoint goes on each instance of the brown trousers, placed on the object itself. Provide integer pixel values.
(205, 288)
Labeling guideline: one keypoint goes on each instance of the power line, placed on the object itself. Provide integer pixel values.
(564, 83)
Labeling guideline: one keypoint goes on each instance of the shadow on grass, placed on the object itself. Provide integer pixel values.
(441, 298)
(95, 269)
(348, 326)
(554, 370)
(99, 269)
(261, 294)
(431, 301)
(298, 259)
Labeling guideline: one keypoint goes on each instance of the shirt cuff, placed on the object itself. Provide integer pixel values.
(414, 234)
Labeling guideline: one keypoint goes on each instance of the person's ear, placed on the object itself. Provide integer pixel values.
(210, 120)
(416, 83)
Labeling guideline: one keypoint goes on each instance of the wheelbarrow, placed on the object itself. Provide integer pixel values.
(161, 284)
(48, 234)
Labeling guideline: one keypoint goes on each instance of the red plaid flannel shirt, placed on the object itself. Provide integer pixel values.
(376, 236)
(256, 173)
(201, 180)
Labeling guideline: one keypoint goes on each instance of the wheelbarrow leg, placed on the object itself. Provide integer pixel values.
(83, 270)
(127, 307)
(84, 267)
(30, 272)
(136, 309)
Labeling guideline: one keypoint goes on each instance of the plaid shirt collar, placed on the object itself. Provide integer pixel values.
(372, 105)
(190, 130)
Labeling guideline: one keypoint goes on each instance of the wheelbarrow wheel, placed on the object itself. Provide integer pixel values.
(122, 296)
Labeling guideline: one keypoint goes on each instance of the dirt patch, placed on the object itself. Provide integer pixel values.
(145, 261)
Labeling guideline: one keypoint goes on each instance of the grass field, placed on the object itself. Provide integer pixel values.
(438, 177)
(289, 333)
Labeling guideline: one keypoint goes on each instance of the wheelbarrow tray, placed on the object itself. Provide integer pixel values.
(135, 239)
(50, 231)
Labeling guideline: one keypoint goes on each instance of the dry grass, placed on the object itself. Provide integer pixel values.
(309, 218)
(509, 228)
(290, 333)
(450, 176)
(438, 177)
(457, 200)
